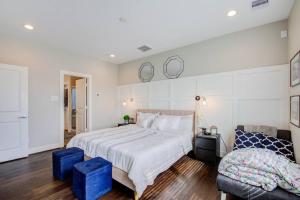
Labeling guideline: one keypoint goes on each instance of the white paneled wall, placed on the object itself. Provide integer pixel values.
(254, 96)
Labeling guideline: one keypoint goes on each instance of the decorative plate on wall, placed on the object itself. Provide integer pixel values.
(146, 72)
(173, 67)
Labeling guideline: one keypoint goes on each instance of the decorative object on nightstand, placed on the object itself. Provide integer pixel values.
(213, 130)
(203, 131)
(126, 119)
(131, 120)
(207, 148)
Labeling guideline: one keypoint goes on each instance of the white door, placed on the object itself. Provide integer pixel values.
(13, 112)
(81, 108)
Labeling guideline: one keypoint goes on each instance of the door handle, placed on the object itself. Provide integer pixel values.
(22, 117)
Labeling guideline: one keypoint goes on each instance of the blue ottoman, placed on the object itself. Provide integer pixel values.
(63, 161)
(92, 178)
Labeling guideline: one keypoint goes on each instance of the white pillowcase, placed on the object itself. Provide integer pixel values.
(145, 120)
(166, 122)
(172, 122)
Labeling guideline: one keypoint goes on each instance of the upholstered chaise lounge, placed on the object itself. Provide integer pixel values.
(246, 191)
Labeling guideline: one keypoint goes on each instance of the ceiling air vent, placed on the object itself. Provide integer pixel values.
(259, 3)
(144, 48)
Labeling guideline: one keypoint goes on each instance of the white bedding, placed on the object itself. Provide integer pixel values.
(142, 153)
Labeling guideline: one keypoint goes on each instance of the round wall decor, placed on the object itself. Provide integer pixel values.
(173, 67)
(146, 72)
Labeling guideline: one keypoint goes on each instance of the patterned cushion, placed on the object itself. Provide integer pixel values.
(259, 140)
(247, 140)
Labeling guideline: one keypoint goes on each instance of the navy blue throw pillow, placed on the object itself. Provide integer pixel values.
(247, 140)
(259, 140)
(280, 146)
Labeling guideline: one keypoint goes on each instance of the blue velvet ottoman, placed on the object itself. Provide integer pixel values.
(92, 178)
(63, 161)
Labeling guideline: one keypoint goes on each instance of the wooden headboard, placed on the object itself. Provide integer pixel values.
(170, 112)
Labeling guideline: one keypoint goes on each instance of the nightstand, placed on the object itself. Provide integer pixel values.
(124, 124)
(207, 148)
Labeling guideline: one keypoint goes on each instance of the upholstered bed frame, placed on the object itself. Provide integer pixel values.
(122, 176)
(245, 191)
(281, 134)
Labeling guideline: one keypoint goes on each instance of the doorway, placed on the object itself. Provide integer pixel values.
(75, 103)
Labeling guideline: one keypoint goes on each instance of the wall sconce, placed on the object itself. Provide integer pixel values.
(204, 101)
(198, 98)
(199, 114)
(126, 101)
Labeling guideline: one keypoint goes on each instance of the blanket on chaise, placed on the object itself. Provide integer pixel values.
(262, 168)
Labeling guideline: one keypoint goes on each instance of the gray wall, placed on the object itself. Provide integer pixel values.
(44, 64)
(260, 46)
(294, 46)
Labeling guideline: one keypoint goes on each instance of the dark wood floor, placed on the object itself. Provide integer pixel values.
(31, 178)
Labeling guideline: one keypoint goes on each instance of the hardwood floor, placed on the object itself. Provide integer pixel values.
(31, 178)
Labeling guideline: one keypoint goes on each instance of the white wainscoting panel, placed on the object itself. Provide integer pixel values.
(140, 91)
(125, 92)
(263, 111)
(183, 104)
(159, 104)
(215, 84)
(184, 88)
(252, 96)
(260, 84)
(160, 90)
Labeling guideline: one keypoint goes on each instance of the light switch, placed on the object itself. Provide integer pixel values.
(284, 34)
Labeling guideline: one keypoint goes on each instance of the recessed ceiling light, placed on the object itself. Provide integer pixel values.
(112, 55)
(28, 27)
(231, 13)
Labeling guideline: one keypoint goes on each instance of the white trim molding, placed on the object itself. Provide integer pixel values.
(61, 92)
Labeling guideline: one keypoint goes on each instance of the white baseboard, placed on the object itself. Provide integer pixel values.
(33, 150)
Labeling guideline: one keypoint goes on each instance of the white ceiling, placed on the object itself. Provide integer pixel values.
(92, 27)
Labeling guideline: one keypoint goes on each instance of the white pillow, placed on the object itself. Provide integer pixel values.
(166, 122)
(186, 123)
(145, 120)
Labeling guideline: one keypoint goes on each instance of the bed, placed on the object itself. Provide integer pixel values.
(246, 191)
(138, 154)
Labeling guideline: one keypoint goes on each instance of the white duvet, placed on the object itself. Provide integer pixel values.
(142, 153)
